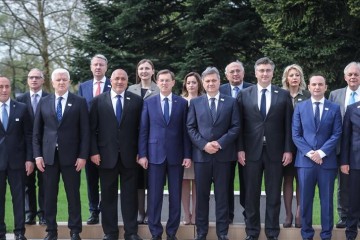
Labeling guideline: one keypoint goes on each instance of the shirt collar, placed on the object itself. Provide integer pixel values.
(320, 101)
(348, 91)
(240, 86)
(169, 97)
(39, 93)
(102, 80)
(7, 103)
(261, 88)
(217, 96)
(114, 94)
(65, 96)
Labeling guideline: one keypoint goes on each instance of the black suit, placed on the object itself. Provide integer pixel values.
(15, 149)
(118, 147)
(60, 144)
(227, 90)
(264, 156)
(30, 181)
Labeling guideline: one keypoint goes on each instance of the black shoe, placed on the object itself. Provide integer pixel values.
(3, 237)
(75, 236)
(223, 237)
(133, 237)
(51, 236)
(93, 219)
(20, 237)
(272, 238)
(341, 223)
(350, 238)
(200, 237)
(42, 220)
(171, 237)
(251, 238)
(30, 219)
(155, 238)
(111, 237)
(307, 239)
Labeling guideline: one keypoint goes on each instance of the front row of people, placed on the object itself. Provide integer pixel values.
(164, 135)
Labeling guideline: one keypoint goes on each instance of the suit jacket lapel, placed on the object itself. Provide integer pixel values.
(29, 104)
(12, 115)
(324, 113)
(219, 107)
(254, 97)
(310, 115)
(274, 99)
(108, 101)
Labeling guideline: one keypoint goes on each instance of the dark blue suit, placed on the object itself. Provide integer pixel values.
(213, 167)
(15, 149)
(165, 146)
(306, 138)
(226, 89)
(86, 90)
(350, 155)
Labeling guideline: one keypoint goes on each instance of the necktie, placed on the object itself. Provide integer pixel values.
(352, 98)
(98, 89)
(166, 110)
(317, 114)
(263, 103)
(118, 108)
(5, 117)
(236, 91)
(59, 109)
(213, 109)
(34, 102)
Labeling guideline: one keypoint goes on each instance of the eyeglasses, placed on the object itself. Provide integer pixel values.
(235, 71)
(34, 77)
(264, 70)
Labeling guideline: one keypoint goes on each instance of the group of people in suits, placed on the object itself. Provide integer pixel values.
(146, 136)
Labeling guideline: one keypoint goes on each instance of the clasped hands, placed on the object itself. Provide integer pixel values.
(212, 147)
(315, 156)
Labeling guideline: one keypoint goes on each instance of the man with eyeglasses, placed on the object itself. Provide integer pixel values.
(234, 73)
(344, 97)
(35, 81)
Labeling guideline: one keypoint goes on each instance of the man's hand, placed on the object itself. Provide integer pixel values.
(143, 162)
(29, 167)
(212, 147)
(287, 158)
(186, 162)
(345, 169)
(316, 157)
(40, 164)
(96, 159)
(80, 164)
(241, 157)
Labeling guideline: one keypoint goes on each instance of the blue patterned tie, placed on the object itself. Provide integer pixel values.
(317, 114)
(263, 103)
(236, 90)
(166, 110)
(352, 98)
(34, 102)
(213, 109)
(5, 117)
(59, 109)
(118, 109)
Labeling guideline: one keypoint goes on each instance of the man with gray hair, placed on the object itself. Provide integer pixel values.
(213, 125)
(61, 142)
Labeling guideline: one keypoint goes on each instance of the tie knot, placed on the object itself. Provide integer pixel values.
(353, 93)
(236, 89)
(212, 99)
(119, 97)
(317, 103)
(60, 98)
(166, 99)
(263, 91)
(35, 95)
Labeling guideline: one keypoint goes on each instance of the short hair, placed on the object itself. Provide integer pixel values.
(210, 70)
(99, 56)
(319, 74)
(138, 80)
(285, 83)
(351, 64)
(264, 60)
(185, 92)
(41, 72)
(60, 71)
(165, 71)
(238, 62)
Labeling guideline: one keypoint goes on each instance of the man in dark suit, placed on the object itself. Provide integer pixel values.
(264, 146)
(316, 130)
(61, 142)
(90, 89)
(165, 149)
(235, 72)
(35, 81)
(114, 152)
(15, 157)
(213, 125)
(344, 97)
(350, 165)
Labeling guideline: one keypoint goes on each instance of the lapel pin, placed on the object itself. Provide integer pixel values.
(127, 98)
(221, 99)
(69, 104)
(358, 106)
(326, 109)
(276, 91)
(299, 99)
(16, 119)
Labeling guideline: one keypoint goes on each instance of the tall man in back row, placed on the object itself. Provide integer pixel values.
(264, 146)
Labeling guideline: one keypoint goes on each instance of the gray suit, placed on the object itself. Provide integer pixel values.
(136, 88)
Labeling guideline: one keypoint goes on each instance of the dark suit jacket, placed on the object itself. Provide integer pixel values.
(225, 129)
(86, 90)
(15, 142)
(72, 134)
(107, 138)
(25, 98)
(276, 127)
(350, 145)
(226, 88)
(159, 141)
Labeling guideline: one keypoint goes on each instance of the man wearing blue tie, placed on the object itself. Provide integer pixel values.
(316, 130)
(165, 149)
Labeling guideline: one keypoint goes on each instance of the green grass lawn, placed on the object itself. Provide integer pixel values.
(62, 204)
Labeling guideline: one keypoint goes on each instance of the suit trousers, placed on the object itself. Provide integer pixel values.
(32, 199)
(71, 179)
(207, 173)
(308, 179)
(109, 182)
(253, 173)
(92, 179)
(156, 179)
(354, 206)
(343, 194)
(16, 179)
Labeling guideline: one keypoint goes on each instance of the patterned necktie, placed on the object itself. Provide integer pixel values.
(263, 103)
(118, 109)
(59, 109)
(352, 98)
(317, 114)
(98, 89)
(236, 90)
(34, 102)
(5, 116)
(213, 109)
(166, 110)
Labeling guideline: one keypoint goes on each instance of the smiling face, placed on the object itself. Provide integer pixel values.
(145, 71)
(352, 77)
(264, 74)
(119, 81)
(235, 73)
(5, 89)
